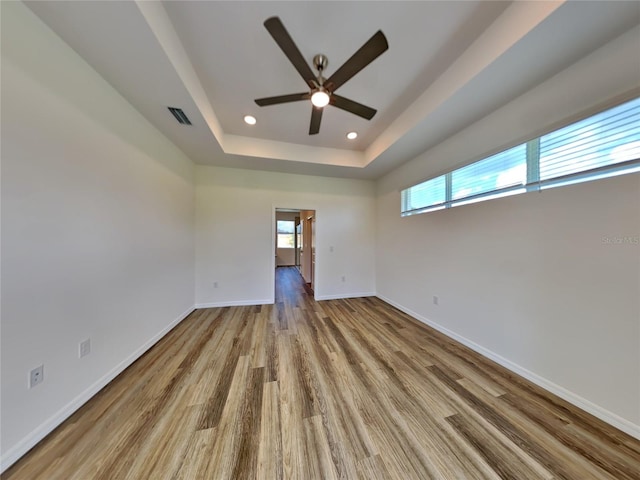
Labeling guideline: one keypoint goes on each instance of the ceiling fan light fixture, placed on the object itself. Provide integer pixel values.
(320, 98)
(322, 90)
(250, 120)
(352, 135)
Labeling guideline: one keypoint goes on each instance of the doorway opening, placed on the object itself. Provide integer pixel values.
(295, 243)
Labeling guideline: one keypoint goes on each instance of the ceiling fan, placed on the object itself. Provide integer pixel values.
(322, 90)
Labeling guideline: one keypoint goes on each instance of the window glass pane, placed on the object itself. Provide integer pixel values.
(604, 139)
(285, 233)
(503, 170)
(424, 195)
(285, 226)
(285, 240)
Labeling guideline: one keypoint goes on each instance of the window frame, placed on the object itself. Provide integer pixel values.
(532, 181)
(291, 234)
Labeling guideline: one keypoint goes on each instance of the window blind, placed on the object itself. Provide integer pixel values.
(425, 196)
(608, 138)
(496, 173)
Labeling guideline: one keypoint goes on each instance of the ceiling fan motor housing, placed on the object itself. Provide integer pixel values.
(320, 61)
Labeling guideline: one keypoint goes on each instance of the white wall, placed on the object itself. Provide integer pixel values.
(530, 280)
(235, 212)
(97, 230)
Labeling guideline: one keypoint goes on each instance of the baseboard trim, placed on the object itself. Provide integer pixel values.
(339, 296)
(234, 303)
(12, 455)
(573, 398)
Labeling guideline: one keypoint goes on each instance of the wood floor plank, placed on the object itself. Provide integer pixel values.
(533, 440)
(291, 412)
(317, 447)
(373, 468)
(163, 450)
(196, 455)
(257, 351)
(270, 445)
(249, 428)
(223, 459)
(499, 458)
(339, 389)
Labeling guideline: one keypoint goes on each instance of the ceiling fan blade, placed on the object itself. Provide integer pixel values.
(294, 97)
(371, 50)
(286, 44)
(352, 107)
(316, 116)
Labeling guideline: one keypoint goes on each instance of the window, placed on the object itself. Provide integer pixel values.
(605, 139)
(427, 196)
(600, 146)
(285, 233)
(498, 173)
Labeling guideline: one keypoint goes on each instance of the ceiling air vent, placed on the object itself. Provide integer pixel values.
(180, 116)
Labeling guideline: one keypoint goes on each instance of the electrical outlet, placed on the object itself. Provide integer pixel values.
(435, 300)
(36, 376)
(85, 348)
(215, 284)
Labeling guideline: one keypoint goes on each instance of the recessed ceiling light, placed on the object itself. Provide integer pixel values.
(352, 135)
(249, 119)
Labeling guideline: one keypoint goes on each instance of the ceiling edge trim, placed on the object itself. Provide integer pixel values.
(160, 24)
(257, 147)
(518, 20)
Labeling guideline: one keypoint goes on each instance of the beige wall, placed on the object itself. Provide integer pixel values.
(532, 280)
(235, 233)
(97, 231)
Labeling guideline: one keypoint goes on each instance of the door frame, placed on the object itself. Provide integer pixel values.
(274, 209)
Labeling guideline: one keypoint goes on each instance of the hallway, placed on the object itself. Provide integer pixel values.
(290, 286)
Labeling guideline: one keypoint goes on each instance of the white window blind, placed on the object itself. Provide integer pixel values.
(499, 172)
(608, 138)
(425, 196)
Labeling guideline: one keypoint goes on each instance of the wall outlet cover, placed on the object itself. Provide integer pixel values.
(36, 376)
(85, 348)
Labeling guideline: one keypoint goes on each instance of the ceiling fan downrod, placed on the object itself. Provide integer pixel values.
(320, 61)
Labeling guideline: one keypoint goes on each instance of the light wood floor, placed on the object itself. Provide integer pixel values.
(321, 390)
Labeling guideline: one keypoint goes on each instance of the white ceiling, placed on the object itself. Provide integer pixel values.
(449, 63)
